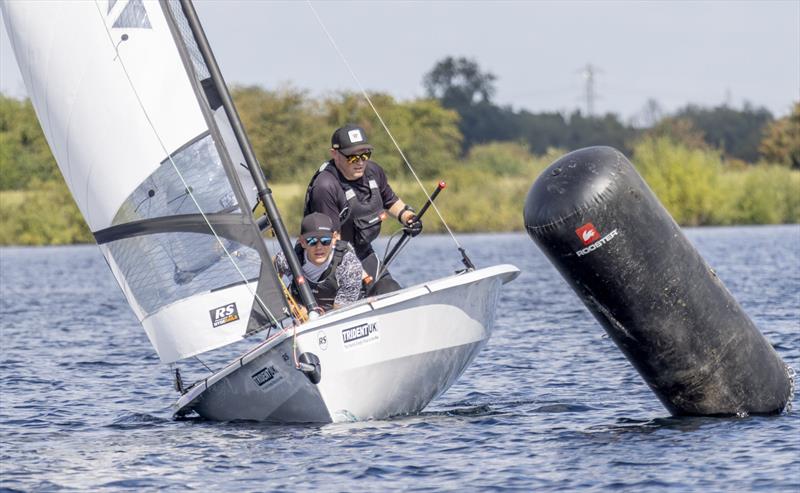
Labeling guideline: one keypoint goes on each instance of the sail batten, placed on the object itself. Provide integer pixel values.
(226, 225)
(149, 162)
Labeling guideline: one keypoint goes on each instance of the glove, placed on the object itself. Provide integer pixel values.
(414, 227)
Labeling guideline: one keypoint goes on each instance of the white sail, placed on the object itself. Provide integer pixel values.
(119, 90)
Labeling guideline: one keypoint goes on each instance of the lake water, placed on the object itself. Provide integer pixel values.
(549, 405)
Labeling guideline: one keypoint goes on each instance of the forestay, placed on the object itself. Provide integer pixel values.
(126, 104)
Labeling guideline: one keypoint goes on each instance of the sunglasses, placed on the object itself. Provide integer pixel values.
(313, 240)
(354, 158)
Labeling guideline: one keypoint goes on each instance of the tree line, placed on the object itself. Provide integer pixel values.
(749, 134)
(707, 165)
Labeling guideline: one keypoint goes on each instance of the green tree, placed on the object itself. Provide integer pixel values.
(584, 131)
(291, 132)
(459, 82)
(286, 129)
(24, 153)
(781, 142)
(426, 132)
(461, 85)
(737, 133)
(679, 130)
(543, 131)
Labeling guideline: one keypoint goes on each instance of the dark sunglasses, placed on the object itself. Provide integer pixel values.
(354, 158)
(312, 240)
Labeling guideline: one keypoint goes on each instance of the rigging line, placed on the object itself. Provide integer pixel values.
(181, 196)
(385, 127)
(201, 362)
(180, 206)
(381, 266)
(392, 238)
(175, 167)
(140, 204)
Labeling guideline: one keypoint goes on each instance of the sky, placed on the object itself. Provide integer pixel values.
(707, 53)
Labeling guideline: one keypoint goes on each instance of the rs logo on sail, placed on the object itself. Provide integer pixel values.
(224, 314)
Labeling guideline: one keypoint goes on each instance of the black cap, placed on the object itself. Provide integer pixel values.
(317, 222)
(349, 139)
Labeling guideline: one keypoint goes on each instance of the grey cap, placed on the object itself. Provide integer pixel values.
(317, 222)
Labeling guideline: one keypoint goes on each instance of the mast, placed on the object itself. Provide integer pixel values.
(264, 192)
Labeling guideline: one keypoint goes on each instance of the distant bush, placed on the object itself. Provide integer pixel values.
(686, 181)
(45, 215)
(290, 199)
(698, 188)
(24, 154)
(763, 194)
(781, 141)
(502, 158)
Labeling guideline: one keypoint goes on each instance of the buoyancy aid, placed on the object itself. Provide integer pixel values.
(360, 221)
(326, 287)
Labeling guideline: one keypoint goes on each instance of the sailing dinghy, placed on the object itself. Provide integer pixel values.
(144, 131)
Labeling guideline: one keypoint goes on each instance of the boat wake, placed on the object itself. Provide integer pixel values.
(134, 421)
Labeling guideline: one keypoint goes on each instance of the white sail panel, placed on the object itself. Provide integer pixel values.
(126, 113)
(178, 321)
(229, 311)
(90, 114)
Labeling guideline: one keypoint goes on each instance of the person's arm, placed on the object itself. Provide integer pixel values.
(396, 207)
(399, 211)
(348, 274)
(393, 204)
(407, 217)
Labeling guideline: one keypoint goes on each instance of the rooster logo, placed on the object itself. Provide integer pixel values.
(587, 233)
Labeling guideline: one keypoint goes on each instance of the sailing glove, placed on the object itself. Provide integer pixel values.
(414, 227)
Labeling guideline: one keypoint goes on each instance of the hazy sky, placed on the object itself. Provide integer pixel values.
(675, 52)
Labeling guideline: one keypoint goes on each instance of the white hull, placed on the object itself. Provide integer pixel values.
(381, 357)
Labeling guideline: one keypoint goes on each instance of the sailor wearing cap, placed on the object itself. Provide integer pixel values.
(330, 267)
(353, 190)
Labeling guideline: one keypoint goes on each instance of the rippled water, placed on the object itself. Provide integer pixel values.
(550, 403)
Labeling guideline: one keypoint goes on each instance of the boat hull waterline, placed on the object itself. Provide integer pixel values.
(382, 357)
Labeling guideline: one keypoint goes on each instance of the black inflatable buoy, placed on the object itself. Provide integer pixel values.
(594, 217)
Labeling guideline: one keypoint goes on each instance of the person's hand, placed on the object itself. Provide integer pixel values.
(413, 227)
(406, 216)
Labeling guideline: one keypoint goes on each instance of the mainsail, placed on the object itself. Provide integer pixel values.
(127, 106)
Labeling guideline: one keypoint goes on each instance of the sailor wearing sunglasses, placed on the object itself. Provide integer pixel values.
(353, 190)
(330, 267)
